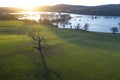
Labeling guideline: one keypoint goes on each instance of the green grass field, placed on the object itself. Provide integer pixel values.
(74, 55)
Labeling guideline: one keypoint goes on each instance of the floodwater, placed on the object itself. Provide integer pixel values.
(77, 21)
(96, 23)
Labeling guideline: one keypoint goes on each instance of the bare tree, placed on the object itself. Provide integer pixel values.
(40, 43)
(39, 38)
(114, 30)
(86, 26)
(78, 26)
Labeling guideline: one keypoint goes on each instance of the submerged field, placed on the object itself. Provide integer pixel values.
(74, 55)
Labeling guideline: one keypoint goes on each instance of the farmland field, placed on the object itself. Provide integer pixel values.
(73, 54)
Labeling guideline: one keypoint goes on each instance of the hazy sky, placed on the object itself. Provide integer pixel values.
(33, 3)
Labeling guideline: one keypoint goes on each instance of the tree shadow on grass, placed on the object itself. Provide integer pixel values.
(43, 72)
(39, 41)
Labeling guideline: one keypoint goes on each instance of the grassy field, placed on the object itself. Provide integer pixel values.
(74, 55)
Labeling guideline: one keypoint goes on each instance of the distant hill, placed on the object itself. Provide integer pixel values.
(60, 7)
(109, 10)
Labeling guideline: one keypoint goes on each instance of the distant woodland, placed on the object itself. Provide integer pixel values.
(107, 10)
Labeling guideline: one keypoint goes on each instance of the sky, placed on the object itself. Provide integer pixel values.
(33, 3)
